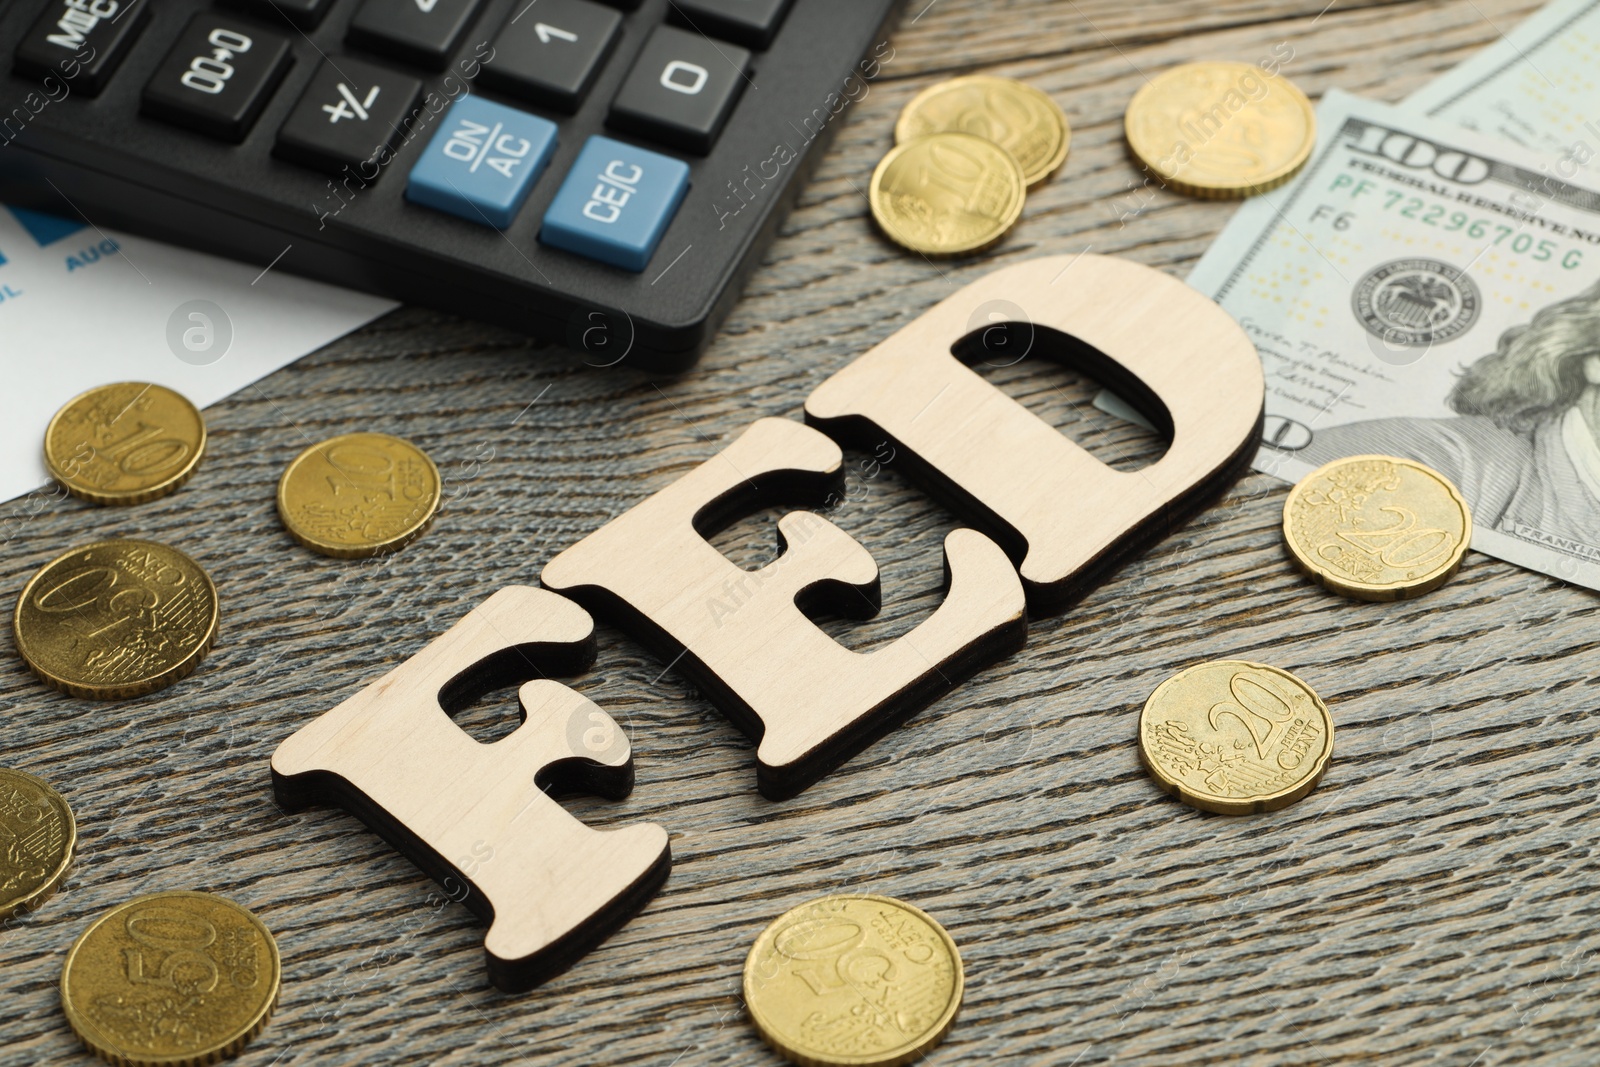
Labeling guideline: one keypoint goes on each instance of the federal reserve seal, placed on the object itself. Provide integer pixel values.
(1416, 302)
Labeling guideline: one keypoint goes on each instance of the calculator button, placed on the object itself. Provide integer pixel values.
(681, 89)
(423, 32)
(218, 76)
(752, 23)
(550, 51)
(351, 116)
(482, 163)
(81, 41)
(616, 203)
(304, 14)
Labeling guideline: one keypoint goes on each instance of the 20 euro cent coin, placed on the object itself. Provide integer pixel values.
(853, 981)
(1013, 114)
(1377, 527)
(1235, 737)
(39, 837)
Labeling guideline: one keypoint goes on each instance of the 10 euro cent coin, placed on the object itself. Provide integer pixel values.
(116, 619)
(358, 495)
(172, 979)
(124, 443)
(853, 981)
(1235, 737)
(947, 194)
(1377, 527)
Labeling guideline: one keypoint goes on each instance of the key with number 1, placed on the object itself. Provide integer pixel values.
(549, 52)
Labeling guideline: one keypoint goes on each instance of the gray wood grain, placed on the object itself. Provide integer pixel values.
(1434, 901)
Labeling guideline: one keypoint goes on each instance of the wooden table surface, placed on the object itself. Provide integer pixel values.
(1434, 901)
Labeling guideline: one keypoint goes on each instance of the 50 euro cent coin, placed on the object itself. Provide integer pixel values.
(853, 980)
(1235, 737)
(1377, 527)
(116, 619)
(175, 979)
(947, 194)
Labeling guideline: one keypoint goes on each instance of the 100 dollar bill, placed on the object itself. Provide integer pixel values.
(1534, 87)
(1424, 292)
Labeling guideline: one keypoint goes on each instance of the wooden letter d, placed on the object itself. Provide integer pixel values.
(1065, 517)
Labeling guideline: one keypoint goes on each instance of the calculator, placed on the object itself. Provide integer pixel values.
(602, 175)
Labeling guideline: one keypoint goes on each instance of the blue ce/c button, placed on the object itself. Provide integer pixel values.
(616, 203)
(483, 162)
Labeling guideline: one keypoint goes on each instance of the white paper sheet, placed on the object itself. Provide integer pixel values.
(80, 307)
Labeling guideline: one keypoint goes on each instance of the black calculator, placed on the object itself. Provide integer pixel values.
(603, 175)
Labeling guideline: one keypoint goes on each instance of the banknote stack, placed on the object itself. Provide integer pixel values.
(1429, 288)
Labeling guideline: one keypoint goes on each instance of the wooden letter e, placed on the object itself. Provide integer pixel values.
(742, 637)
(473, 816)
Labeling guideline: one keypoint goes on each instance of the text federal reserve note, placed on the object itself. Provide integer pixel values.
(1427, 293)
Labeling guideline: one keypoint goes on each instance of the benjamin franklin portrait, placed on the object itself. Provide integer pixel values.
(1524, 447)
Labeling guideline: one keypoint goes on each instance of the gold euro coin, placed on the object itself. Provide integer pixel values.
(362, 494)
(37, 839)
(947, 194)
(170, 980)
(1235, 737)
(857, 980)
(1221, 130)
(1377, 527)
(125, 443)
(1012, 114)
(116, 619)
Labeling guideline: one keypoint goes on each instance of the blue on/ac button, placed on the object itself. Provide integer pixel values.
(616, 203)
(482, 163)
